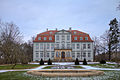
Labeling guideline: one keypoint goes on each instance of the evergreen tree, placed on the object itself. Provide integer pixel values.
(84, 62)
(76, 61)
(41, 62)
(49, 62)
(113, 37)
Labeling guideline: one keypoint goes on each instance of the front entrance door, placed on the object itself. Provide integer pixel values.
(63, 55)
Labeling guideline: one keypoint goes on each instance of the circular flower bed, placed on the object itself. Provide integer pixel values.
(65, 73)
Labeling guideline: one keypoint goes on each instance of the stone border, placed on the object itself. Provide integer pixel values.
(65, 73)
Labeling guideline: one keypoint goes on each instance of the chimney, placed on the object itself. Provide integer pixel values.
(47, 29)
(70, 28)
(56, 29)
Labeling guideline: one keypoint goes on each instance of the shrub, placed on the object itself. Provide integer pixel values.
(76, 61)
(84, 62)
(41, 62)
(49, 62)
(102, 62)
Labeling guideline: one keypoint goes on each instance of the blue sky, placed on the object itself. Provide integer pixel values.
(34, 16)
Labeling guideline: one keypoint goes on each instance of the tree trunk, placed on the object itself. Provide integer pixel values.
(13, 66)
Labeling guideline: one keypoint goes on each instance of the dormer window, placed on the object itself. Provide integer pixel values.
(86, 38)
(75, 38)
(39, 38)
(45, 38)
(50, 32)
(74, 32)
(50, 38)
(81, 38)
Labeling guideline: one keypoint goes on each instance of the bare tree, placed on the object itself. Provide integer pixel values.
(10, 38)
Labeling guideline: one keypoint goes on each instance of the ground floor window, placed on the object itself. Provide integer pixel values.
(73, 54)
(47, 54)
(41, 54)
(84, 54)
(37, 55)
(52, 54)
(89, 55)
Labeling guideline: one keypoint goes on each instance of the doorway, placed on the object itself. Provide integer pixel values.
(63, 55)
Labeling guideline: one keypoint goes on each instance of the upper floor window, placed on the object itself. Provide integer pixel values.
(68, 37)
(78, 46)
(47, 54)
(52, 46)
(88, 46)
(84, 54)
(81, 38)
(39, 38)
(63, 45)
(89, 55)
(63, 37)
(37, 54)
(73, 54)
(78, 55)
(50, 38)
(48, 46)
(45, 38)
(57, 37)
(73, 46)
(41, 46)
(57, 45)
(86, 38)
(37, 46)
(68, 46)
(41, 54)
(84, 46)
(75, 38)
(52, 54)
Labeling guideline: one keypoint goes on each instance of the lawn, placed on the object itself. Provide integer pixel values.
(19, 66)
(104, 65)
(22, 75)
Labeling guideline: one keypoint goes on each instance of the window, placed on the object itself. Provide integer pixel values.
(63, 37)
(52, 54)
(78, 55)
(81, 38)
(37, 55)
(73, 54)
(41, 46)
(88, 46)
(41, 54)
(68, 54)
(45, 38)
(84, 54)
(50, 32)
(75, 38)
(47, 54)
(57, 37)
(48, 46)
(37, 46)
(50, 38)
(74, 32)
(68, 37)
(68, 46)
(78, 46)
(57, 54)
(89, 55)
(73, 46)
(52, 46)
(84, 46)
(39, 38)
(63, 46)
(86, 38)
(57, 45)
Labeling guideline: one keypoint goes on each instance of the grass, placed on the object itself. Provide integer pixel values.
(21, 75)
(78, 67)
(18, 66)
(48, 67)
(104, 65)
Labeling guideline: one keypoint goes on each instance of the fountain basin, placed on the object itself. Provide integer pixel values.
(65, 73)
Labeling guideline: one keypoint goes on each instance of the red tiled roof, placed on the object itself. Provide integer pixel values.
(51, 33)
